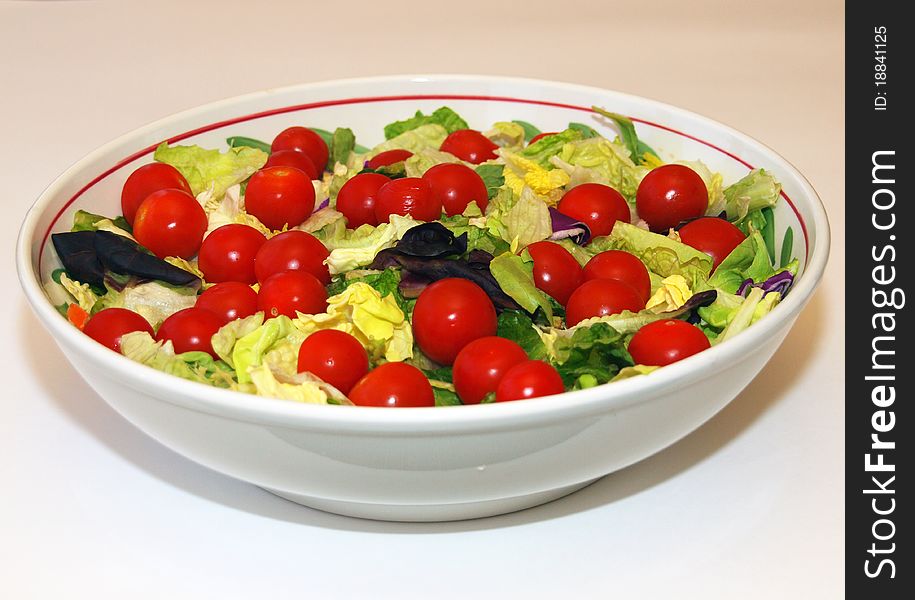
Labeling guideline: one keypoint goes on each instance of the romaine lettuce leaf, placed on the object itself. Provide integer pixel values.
(528, 221)
(506, 134)
(598, 160)
(543, 149)
(250, 349)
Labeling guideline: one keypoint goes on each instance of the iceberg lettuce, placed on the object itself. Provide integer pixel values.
(211, 169)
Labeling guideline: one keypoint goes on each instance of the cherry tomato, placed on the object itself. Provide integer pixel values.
(227, 254)
(448, 315)
(393, 384)
(455, 186)
(716, 237)
(529, 379)
(229, 301)
(671, 194)
(146, 180)
(107, 326)
(480, 365)
(601, 297)
(664, 342)
(293, 158)
(470, 145)
(170, 223)
(292, 251)
(356, 199)
(335, 356)
(304, 140)
(407, 196)
(622, 266)
(291, 291)
(388, 157)
(280, 197)
(596, 205)
(556, 271)
(540, 136)
(190, 330)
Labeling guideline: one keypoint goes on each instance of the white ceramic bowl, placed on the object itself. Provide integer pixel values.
(421, 464)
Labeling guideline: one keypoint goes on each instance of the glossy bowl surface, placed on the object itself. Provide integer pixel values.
(423, 464)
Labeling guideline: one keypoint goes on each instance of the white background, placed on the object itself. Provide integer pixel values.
(749, 506)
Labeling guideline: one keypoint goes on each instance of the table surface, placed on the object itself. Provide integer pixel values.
(748, 506)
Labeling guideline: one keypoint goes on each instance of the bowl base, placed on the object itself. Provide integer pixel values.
(431, 512)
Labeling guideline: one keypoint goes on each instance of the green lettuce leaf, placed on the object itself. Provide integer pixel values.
(341, 144)
(546, 147)
(420, 162)
(87, 221)
(516, 278)
(250, 349)
(755, 306)
(415, 140)
(528, 221)
(443, 116)
(722, 312)
(590, 356)
(598, 160)
(749, 260)
(385, 282)
(518, 327)
(492, 175)
(758, 189)
(223, 341)
(530, 131)
(212, 169)
(661, 254)
(506, 134)
(153, 300)
(139, 346)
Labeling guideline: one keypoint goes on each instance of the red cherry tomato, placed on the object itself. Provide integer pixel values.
(304, 140)
(146, 180)
(190, 330)
(716, 237)
(293, 158)
(480, 365)
(334, 356)
(455, 186)
(229, 301)
(292, 251)
(290, 292)
(671, 194)
(280, 197)
(448, 315)
(597, 206)
(540, 136)
(388, 157)
(170, 223)
(601, 297)
(394, 384)
(556, 271)
(530, 379)
(227, 254)
(356, 199)
(407, 196)
(470, 145)
(107, 326)
(622, 266)
(664, 342)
